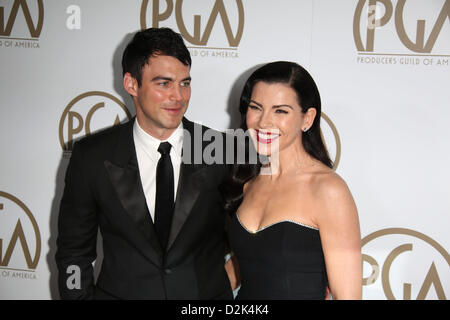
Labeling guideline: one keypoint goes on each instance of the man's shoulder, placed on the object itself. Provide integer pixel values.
(206, 145)
(198, 127)
(106, 136)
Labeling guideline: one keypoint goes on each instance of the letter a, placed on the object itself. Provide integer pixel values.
(74, 20)
(74, 280)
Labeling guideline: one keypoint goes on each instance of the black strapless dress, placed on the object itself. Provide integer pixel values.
(282, 261)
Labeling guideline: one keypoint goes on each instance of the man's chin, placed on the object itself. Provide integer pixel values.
(173, 122)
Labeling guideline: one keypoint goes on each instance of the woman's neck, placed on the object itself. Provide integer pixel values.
(292, 160)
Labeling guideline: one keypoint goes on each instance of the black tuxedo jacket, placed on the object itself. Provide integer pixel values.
(103, 190)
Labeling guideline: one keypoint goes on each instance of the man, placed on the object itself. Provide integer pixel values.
(161, 218)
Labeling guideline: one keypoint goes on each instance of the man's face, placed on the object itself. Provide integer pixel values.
(163, 97)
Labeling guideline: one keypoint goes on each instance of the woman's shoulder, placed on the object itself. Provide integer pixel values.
(331, 189)
(329, 182)
(335, 199)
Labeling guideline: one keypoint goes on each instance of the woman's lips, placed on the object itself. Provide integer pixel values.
(266, 137)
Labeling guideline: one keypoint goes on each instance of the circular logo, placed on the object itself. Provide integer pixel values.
(20, 242)
(331, 139)
(13, 25)
(209, 14)
(404, 264)
(87, 113)
(397, 17)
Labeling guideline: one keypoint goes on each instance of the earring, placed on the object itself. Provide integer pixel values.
(305, 129)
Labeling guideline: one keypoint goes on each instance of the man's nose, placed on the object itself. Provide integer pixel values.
(176, 93)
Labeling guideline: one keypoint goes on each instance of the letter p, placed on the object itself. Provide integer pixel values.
(156, 16)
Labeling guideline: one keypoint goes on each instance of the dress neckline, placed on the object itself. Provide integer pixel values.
(273, 224)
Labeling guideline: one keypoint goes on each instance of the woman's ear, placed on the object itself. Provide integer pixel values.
(308, 119)
(130, 84)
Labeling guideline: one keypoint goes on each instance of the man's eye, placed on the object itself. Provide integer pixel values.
(186, 84)
(281, 111)
(163, 84)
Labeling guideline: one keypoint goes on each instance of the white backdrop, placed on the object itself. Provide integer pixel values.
(382, 68)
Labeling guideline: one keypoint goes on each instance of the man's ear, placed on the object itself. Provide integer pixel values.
(130, 84)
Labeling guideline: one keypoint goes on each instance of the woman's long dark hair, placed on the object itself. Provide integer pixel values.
(308, 95)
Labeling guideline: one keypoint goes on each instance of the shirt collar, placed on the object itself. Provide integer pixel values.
(151, 143)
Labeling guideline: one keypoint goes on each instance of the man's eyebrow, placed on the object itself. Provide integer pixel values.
(159, 78)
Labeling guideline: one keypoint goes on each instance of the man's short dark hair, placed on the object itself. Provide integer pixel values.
(153, 42)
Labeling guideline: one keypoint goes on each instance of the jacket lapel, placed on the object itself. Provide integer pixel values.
(190, 181)
(188, 191)
(124, 174)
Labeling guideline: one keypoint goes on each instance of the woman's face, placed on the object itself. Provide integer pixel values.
(274, 118)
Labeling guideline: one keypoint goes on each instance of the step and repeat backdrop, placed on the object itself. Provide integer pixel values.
(382, 68)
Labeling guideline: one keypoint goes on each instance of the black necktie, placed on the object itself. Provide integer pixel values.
(164, 194)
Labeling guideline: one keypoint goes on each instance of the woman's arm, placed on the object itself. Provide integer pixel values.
(232, 269)
(341, 239)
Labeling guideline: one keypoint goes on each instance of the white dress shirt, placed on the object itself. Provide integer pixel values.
(148, 156)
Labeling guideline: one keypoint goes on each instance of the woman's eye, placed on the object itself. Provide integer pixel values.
(281, 111)
(253, 107)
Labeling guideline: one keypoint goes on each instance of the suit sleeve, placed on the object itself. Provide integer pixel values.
(77, 232)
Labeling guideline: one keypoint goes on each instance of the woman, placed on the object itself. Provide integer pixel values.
(295, 231)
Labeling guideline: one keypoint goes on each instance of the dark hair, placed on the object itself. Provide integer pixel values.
(308, 96)
(153, 42)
